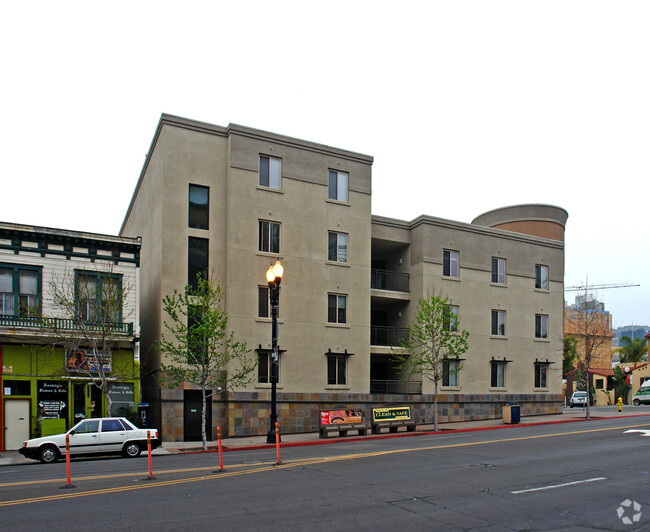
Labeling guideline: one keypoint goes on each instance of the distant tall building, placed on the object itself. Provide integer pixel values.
(633, 331)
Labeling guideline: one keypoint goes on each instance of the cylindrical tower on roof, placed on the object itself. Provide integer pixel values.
(546, 221)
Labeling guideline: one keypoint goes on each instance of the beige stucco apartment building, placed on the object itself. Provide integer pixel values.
(233, 200)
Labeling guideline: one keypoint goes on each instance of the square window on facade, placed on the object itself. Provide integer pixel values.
(450, 319)
(498, 323)
(541, 370)
(338, 186)
(99, 296)
(269, 237)
(197, 259)
(498, 270)
(541, 277)
(336, 369)
(265, 368)
(199, 207)
(270, 172)
(498, 375)
(450, 263)
(6, 291)
(450, 373)
(337, 308)
(337, 247)
(541, 326)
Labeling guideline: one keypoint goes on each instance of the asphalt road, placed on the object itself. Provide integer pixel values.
(574, 476)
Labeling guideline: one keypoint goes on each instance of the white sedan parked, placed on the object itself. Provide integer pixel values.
(108, 435)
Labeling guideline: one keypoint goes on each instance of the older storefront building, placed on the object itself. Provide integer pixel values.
(53, 358)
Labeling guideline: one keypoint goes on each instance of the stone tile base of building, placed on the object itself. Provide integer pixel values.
(247, 413)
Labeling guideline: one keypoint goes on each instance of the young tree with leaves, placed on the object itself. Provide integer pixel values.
(198, 348)
(90, 322)
(434, 342)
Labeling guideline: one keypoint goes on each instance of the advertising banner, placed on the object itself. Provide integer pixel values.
(391, 414)
(81, 360)
(52, 399)
(330, 417)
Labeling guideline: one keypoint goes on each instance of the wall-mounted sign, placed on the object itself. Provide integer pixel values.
(391, 414)
(83, 360)
(329, 417)
(52, 399)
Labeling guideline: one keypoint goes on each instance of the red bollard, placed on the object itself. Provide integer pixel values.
(277, 442)
(220, 450)
(67, 462)
(151, 477)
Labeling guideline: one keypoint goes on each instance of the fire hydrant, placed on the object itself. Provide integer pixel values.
(619, 403)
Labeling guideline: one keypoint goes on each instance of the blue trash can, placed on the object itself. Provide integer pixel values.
(515, 413)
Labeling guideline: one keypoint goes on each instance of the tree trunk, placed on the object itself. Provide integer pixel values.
(435, 406)
(203, 434)
(587, 413)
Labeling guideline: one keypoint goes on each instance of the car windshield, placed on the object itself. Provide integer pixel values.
(580, 394)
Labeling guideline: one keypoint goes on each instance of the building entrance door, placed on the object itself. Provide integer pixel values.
(16, 423)
(192, 416)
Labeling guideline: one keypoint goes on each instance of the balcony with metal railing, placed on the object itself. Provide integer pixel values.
(389, 280)
(388, 336)
(395, 386)
(62, 324)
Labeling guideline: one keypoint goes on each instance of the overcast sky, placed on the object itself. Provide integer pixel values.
(465, 106)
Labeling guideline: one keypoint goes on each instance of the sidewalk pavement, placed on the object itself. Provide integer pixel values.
(244, 443)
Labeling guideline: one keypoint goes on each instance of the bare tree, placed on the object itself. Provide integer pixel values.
(591, 326)
(199, 349)
(90, 322)
(434, 345)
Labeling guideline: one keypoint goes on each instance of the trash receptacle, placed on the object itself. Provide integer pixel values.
(515, 413)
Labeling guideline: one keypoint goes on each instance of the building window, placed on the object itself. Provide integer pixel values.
(199, 207)
(336, 368)
(270, 172)
(20, 290)
(498, 323)
(265, 362)
(498, 374)
(336, 308)
(541, 277)
(450, 373)
(269, 237)
(99, 296)
(541, 326)
(338, 186)
(498, 270)
(449, 263)
(263, 305)
(541, 369)
(450, 319)
(197, 348)
(197, 259)
(337, 247)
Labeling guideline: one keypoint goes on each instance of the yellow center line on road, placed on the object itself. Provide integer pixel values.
(271, 466)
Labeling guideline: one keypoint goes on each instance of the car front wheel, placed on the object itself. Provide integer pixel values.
(48, 454)
(131, 450)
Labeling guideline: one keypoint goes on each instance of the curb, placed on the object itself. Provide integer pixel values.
(394, 435)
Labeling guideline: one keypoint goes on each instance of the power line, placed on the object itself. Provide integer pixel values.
(588, 287)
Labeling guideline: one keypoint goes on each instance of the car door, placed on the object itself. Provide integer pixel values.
(84, 438)
(112, 435)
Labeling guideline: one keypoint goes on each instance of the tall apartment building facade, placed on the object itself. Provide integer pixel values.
(44, 387)
(234, 200)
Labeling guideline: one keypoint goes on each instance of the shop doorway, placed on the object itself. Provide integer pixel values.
(87, 401)
(17, 422)
(192, 416)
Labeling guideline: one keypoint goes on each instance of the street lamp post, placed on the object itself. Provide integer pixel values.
(273, 277)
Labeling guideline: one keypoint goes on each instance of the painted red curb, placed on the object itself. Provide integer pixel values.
(402, 435)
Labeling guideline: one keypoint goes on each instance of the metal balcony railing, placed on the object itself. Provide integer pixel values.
(388, 280)
(62, 324)
(387, 386)
(391, 336)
